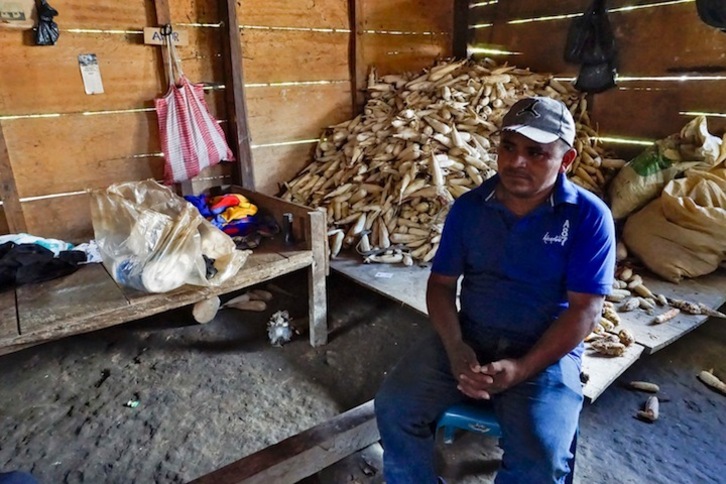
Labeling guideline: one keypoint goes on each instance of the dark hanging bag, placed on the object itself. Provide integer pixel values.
(590, 39)
(47, 32)
(595, 78)
(713, 12)
(591, 43)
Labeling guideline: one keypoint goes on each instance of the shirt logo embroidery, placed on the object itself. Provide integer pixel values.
(558, 239)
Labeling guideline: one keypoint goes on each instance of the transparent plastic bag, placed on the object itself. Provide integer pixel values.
(152, 240)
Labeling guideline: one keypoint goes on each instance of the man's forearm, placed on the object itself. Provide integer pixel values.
(562, 337)
(441, 305)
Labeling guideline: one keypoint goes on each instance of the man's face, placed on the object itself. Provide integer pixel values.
(528, 169)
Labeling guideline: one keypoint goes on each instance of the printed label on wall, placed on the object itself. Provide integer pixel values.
(91, 73)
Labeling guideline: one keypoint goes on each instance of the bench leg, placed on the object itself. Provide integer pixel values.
(317, 299)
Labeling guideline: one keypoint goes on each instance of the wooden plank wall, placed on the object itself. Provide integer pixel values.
(62, 142)
(657, 40)
(297, 73)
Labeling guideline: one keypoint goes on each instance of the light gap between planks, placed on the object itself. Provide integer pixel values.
(217, 87)
(550, 18)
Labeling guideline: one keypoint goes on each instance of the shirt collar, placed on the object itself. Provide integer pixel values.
(487, 189)
(564, 191)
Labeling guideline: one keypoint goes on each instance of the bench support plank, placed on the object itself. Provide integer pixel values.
(304, 454)
(317, 299)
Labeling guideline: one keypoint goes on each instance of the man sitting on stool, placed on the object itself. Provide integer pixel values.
(537, 255)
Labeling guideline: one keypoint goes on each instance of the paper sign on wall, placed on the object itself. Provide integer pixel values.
(91, 73)
(153, 36)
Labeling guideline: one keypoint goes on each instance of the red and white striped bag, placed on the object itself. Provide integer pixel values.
(191, 138)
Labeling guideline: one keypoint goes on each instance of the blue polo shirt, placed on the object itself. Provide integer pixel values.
(517, 271)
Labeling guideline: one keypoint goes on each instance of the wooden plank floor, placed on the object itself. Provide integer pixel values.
(709, 290)
(56, 306)
(408, 286)
(603, 370)
(403, 284)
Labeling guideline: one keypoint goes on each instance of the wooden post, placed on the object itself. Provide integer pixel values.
(9, 191)
(304, 454)
(317, 298)
(235, 93)
(163, 17)
(163, 14)
(356, 62)
(461, 28)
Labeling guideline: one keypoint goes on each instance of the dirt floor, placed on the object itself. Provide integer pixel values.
(210, 394)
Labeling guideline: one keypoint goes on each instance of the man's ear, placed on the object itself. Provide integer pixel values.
(567, 159)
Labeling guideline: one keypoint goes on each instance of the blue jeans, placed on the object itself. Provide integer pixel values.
(17, 477)
(538, 418)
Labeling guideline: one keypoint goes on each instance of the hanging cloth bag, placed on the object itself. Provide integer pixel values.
(191, 138)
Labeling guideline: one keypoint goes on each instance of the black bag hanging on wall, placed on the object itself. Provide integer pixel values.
(591, 43)
(595, 78)
(47, 32)
(713, 12)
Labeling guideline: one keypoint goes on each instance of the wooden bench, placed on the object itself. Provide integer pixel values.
(408, 286)
(90, 299)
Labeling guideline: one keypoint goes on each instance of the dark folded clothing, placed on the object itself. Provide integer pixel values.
(28, 263)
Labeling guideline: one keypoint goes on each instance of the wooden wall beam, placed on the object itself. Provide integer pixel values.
(163, 17)
(461, 28)
(9, 191)
(235, 90)
(358, 81)
(304, 454)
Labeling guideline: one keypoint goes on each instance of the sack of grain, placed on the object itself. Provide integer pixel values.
(682, 233)
(643, 178)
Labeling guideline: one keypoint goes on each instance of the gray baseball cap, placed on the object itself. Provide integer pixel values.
(541, 119)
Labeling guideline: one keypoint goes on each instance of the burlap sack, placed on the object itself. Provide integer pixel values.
(645, 176)
(682, 233)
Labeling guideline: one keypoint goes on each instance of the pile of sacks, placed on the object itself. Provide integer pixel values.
(674, 197)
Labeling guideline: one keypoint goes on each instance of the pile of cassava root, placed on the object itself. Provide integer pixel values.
(387, 177)
(629, 294)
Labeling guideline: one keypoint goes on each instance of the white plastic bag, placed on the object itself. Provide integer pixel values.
(152, 240)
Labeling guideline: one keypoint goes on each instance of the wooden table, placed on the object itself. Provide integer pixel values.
(408, 286)
(90, 299)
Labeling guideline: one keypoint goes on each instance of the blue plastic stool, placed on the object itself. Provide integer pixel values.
(474, 418)
(480, 418)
